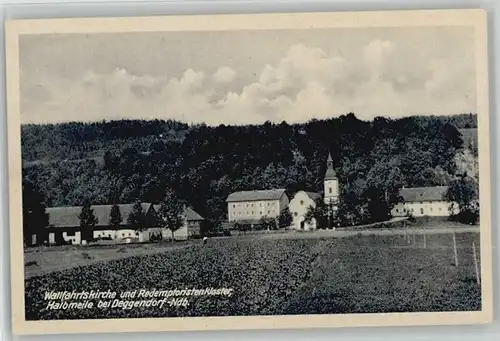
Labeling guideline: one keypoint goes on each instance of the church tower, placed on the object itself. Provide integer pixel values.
(331, 183)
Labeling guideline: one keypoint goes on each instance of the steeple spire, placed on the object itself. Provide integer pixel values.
(330, 172)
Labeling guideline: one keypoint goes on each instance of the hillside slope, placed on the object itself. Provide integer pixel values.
(130, 160)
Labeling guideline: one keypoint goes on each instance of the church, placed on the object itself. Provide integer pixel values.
(302, 200)
(249, 207)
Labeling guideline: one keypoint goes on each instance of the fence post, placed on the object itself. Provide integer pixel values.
(455, 248)
(425, 239)
(478, 277)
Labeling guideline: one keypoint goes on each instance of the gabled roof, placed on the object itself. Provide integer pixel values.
(190, 213)
(416, 194)
(313, 195)
(271, 194)
(68, 216)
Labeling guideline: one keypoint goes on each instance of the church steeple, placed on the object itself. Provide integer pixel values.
(331, 183)
(330, 172)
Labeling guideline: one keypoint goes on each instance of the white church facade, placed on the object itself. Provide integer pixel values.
(302, 201)
(299, 206)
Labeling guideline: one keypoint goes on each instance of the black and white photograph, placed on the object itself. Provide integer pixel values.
(332, 166)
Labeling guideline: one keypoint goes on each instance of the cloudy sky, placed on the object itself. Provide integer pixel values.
(241, 77)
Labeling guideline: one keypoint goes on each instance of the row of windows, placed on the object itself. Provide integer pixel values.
(73, 234)
(252, 213)
(411, 210)
(273, 204)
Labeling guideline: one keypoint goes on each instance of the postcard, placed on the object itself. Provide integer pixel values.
(263, 171)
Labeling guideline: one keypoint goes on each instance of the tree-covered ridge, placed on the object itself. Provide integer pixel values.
(77, 140)
(204, 164)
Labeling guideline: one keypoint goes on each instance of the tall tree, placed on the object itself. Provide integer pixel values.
(137, 217)
(319, 212)
(115, 218)
(285, 218)
(171, 212)
(35, 217)
(87, 221)
(463, 191)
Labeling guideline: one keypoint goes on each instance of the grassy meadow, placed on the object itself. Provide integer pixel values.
(360, 273)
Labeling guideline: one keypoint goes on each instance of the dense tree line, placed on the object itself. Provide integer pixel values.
(140, 160)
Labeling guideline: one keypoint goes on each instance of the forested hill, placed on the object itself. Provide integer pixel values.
(133, 159)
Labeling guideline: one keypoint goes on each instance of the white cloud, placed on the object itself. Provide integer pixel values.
(224, 75)
(305, 83)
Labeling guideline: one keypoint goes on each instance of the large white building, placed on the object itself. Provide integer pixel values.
(299, 206)
(255, 205)
(424, 201)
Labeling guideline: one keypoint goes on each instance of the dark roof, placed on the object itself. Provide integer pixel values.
(68, 216)
(190, 213)
(415, 194)
(313, 195)
(271, 194)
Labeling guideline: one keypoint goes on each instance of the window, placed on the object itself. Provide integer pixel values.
(397, 211)
(431, 209)
(268, 212)
(421, 211)
(253, 212)
(247, 205)
(234, 206)
(302, 202)
(295, 213)
(330, 190)
(440, 209)
(70, 234)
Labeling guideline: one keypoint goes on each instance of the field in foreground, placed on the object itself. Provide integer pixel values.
(356, 274)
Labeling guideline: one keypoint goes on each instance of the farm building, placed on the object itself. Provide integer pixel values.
(299, 206)
(64, 225)
(191, 229)
(424, 201)
(255, 205)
